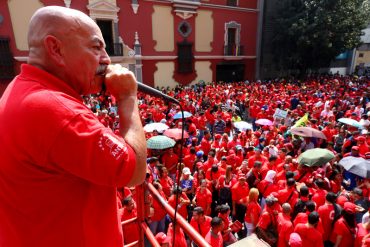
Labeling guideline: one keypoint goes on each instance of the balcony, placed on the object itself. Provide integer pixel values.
(233, 50)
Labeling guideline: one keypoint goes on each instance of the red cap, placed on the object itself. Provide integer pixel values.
(349, 207)
(355, 148)
(162, 238)
(217, 136)
(361, 138)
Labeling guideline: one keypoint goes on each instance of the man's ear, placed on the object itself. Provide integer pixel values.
(53, 47)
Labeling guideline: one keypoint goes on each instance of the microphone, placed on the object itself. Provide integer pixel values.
(156, 93)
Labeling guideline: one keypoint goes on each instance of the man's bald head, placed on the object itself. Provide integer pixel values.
(286, 208)
(56, 21)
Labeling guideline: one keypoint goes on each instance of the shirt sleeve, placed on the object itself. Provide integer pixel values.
(87, 149)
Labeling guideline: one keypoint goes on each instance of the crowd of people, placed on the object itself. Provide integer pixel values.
(237, 182)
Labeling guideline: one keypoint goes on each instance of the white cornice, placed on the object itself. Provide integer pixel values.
(138, 57)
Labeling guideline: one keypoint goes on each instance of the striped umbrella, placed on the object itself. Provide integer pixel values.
(160, 142)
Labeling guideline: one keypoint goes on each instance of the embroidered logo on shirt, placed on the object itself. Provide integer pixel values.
(111, 143)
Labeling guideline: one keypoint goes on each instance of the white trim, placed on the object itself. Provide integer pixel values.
(155, 57)
(225, 57)
(21, 59)
(136, 57)
(215, 6)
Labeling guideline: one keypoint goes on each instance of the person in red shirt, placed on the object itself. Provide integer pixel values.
(256, 157)
(189, 160)
(64, 161)
(170, 160)
(214, 236)
(131, 230)
(344, 230)
(284, 226)
(320, 193)
(183, 202)
(290, 194)
(178, 234)
(328, 213)
(238, 194)
(203, 198)
(200, 222)
(302, 218)
(157, 220)
(224, 213)
(363, 229)
(165, 181)
(253, 211)
(267, 223)
(308, 233)
(205, 143)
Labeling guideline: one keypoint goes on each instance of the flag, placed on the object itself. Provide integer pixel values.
(302, 121)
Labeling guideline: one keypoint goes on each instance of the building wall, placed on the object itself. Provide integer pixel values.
(155, 26)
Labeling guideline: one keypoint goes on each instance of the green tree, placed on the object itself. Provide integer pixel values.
(311, 33)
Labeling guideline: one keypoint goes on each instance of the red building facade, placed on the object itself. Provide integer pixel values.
(164, 42)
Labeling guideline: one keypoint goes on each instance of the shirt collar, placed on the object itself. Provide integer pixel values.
(32, 73)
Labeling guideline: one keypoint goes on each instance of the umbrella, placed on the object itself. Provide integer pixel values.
(241, 125)
(160, 127)
(307, 132)
(179, 115)
(175, 133)
(264, 121)
(315, 157)
(356, 165)
(160, 142)
(350, 121)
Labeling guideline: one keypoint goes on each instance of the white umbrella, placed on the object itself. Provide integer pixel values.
(241, 125)
(160, 127)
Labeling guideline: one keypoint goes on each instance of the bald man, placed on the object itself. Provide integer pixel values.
(59, 166)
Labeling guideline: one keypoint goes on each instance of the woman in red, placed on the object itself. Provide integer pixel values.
(157, 221)
(253, 211)
(344, 231)
(203, 198)
(224, 184)
(165, 181)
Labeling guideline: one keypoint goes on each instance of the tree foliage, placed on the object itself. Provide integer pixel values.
(311, 33)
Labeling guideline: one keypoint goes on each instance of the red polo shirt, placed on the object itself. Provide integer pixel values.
(309, 235)
(284, 228)
(341, 228)
(59, 167)
(203, 199)
(239, 191)
(326, 213)
(202, 228)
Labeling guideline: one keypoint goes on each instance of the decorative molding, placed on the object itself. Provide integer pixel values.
(155, 57)
(237, 26)
(185, 9)
(67, 3)
(215, 6)
(103, 10)
(187, 29)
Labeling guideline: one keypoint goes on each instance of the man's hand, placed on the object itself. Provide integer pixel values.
(120, 82)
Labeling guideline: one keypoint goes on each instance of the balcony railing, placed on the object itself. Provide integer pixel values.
(233, 50)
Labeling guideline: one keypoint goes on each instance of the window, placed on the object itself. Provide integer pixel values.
(233, 3)
(185, 57)
(6, 60)
(361, 55)
(106, 27)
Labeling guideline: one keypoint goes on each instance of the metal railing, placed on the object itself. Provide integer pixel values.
(233, 50)
(144, 229)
